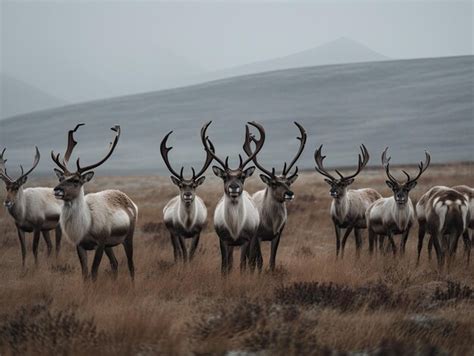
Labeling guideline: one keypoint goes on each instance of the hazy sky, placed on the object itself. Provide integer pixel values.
(75, 49)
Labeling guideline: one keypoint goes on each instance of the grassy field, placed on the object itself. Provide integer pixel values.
(312, 304)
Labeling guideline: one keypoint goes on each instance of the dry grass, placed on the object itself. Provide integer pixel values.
(313, 304)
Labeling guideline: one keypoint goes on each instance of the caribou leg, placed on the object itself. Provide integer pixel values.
(338, 238)
(59, 234)
(36, 238)
(113, 261)
(404, 239)
(194, 245)
(372, 240)
(223, 248)
(358, 241)
(99, 252)
(47, 239)
(21, 238)
(174, 243)
(344, 239)
(182, 246)
(82, 254)
(273, 252)
(467, 245)
(244, 251)
(421, 236)
(128, 247)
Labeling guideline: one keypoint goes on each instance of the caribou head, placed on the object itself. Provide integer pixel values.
(339, 185)
(187, 187)
(234, 178)
(401, 189)
(70, 183)
(13, 185)
(279, 184)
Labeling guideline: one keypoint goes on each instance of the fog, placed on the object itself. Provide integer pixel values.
(79, 51)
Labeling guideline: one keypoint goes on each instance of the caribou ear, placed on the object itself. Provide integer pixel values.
(265, 179)
(87, 176)
(292, 179)
(22, 180)
(348, 181)
(218, 171)
(175, 180)
(59, 174)
(200, 180)
(248, 172)
(411, 185)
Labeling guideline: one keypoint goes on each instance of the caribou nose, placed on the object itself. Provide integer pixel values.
(187, 195)
(289, 195)
(8, 204)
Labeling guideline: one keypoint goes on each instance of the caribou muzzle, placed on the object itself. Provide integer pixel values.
(289, 195)
(8, 204)
(58, 193)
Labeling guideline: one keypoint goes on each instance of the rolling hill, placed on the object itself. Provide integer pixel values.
(18, 97)
(340, 51)
(409, 105)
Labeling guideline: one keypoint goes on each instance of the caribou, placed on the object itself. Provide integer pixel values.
(349, 205)
(33, 209)
(394, 215)
(445, 214)
(185, 215)
(271, 202)
(236, 217)
(96, 221)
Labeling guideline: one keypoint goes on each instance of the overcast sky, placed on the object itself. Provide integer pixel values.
(53, 44)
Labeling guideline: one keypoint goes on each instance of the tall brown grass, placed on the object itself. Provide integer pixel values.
(312, 304)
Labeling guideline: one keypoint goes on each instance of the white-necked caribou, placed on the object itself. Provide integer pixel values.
(185, 215)
(394, 215)
(33, 209)
(96, 221)
(349, 205)
(236, 217)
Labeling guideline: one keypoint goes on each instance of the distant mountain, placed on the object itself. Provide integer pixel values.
(409, 105)
(18, 97)
(339, 51)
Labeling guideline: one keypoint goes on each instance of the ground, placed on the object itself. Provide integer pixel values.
(312, 304)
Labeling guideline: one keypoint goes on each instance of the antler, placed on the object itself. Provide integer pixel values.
(258, 143)
(35, 163)
(209, 147)
(421, 166)
(363, 160)
(386, 164)
(319, 158)
(164, 153)
(248, 152)
(113, 144)
(71, 143)
(3, 170)
(209, 158)
(302, 140)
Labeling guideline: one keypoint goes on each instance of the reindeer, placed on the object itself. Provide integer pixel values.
(445, 214)
(394, 215)
(271, 202)
(185, 215)
(96, 221)
(33, 209)
(236, 218)
(348, 206)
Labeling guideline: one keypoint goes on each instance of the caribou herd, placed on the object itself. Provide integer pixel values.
(100, 221)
